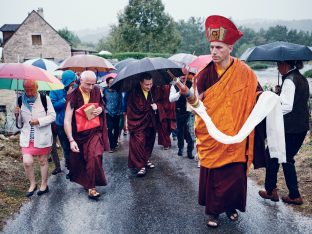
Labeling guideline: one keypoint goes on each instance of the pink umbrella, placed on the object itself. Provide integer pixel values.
(199, 63)
(79, 63)
(109, 75)
(22, 71)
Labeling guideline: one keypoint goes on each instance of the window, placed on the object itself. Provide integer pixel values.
(36, 39)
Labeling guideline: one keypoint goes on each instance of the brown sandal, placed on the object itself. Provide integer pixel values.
(93, 194)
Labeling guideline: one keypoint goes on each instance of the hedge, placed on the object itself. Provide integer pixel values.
(136, 55)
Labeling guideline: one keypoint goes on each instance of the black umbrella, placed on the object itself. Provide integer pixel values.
(129, 76)
(123, 63)
(277, 51)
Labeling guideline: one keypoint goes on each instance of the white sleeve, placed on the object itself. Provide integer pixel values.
(174, 95)
(287, 96)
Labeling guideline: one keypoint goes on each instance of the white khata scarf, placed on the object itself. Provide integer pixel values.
(268, 105)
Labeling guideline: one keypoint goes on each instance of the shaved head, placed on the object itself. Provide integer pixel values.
(87, 81)
(88, 75)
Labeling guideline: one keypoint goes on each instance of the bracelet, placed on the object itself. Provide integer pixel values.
(71, 140)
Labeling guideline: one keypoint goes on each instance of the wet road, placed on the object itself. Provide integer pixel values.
(164, 201)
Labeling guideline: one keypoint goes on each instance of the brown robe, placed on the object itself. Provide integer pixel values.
(167, 116)
(142, 122)
(85, 167)
(223, 173)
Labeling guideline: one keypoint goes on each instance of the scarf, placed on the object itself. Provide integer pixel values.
(26, 100)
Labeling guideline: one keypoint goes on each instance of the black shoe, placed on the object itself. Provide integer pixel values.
(29, 194)
(50, 159)
(190, 156)
(180, 152)
(67, 176)
(39, 193)
(56, 171)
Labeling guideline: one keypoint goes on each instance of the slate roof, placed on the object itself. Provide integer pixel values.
(9, 27)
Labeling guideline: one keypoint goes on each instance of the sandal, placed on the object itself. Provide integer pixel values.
(213, 221)
(141, 172)
(232, 215)
(150, 165)
(93, 194)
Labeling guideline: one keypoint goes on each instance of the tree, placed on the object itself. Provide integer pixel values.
(143, 27)
(69, 36)
(193, 36)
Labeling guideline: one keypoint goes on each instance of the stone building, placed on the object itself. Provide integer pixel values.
(33, 38)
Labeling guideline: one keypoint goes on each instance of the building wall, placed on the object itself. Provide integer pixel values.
(19, 48)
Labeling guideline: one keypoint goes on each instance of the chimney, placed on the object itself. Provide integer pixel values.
(40, 11)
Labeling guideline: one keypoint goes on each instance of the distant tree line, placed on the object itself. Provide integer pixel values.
(144, 26)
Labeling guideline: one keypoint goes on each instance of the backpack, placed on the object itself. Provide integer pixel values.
(43, 99)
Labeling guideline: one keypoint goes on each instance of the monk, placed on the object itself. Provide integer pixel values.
(87, 147)
(167, 117)
(142, 113)
(228, 90)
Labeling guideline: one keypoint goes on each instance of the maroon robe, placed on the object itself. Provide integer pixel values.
(85, 167)
(142, 121)
(225, 188)
(166, 116)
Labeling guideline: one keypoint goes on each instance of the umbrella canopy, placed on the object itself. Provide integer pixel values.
(129, 76)
(79, 63)
(123, 63)
(109, 75)
(199, 63)
(104, 52)
(277, 51)
(183, 58)
(44, 64)
(13, 74)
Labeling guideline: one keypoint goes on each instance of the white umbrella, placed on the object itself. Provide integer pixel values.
(183, 59)
(105, 52)
(44, 64)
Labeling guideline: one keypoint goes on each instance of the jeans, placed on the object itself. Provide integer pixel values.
(64, 142)
(113, 129)
(183, 132)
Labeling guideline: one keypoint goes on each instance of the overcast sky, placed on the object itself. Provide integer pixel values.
(84, 14)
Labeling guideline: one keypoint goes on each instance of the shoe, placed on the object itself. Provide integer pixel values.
(232, 215)
(111, 151)
(180, 152)
(274, 197)
(29, 194)
(93, 194)
(39, 193)
(150, 165)
(67, 176)
(50, 159)
(142, 172)
(56, 171)
(295, 201)
(174, 138)
(166, 148)
(125, 133)
(190, 156)
(213, 221)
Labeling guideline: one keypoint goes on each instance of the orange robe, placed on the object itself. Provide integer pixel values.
(229, 103)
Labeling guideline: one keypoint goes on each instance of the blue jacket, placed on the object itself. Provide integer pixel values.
(58, 99)
(112, 101)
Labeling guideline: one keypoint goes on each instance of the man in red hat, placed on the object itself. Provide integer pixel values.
(228, 89)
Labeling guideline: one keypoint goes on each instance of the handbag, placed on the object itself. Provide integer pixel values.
(82, 121)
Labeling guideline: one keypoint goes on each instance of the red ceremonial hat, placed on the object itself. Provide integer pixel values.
(219, 28)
